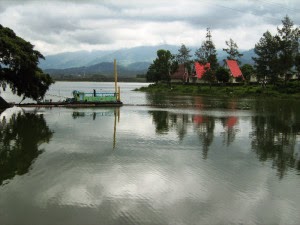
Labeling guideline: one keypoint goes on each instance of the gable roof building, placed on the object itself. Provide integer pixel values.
(200, 69)
(180, 74)
(234, 68)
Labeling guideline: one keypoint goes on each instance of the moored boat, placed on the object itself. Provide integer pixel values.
(85, 99)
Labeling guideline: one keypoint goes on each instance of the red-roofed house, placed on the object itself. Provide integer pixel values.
(200, 69)
(234, 69)
(181, 74)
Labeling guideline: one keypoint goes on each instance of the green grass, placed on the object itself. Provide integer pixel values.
(291, 89)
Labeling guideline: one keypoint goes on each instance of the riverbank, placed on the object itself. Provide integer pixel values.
(283, 91)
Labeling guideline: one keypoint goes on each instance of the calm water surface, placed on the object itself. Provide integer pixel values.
(213, 164)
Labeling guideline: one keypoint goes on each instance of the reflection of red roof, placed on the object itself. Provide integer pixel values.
(198, 119)
(201, 69)
(234, 68)
(231, 121)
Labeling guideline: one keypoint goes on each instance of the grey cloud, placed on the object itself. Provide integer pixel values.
(91, 37)
(102, 23)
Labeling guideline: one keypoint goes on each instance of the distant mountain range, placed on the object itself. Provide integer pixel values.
(131, 61)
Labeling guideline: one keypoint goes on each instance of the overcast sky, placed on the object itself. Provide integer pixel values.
(55, 26)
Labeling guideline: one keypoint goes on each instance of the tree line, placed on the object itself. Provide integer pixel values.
(277, 58)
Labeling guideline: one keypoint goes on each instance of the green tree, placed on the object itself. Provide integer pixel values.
(247, 71)
(209, 76)
(161, 67)
(207, 54)
(277, 55)
(297, 64)
(152, 75)
(232, 51)
(184, 57)
(19, 66)
(222, 75)
(267, 61)
(288, 48)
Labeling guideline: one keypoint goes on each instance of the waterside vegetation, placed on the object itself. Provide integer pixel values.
(289, 90)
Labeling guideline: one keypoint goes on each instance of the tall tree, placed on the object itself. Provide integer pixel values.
(247, 71)
(207, 54)
(277, 55)
(161, 67)
(288, 49)
(267, 61)
(222, 75)
(19, 66)
(184, 57)
(232, 51)
(297, 64)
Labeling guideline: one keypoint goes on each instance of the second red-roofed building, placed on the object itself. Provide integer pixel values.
(234, 70)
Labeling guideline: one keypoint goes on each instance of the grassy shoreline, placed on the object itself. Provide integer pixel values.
(291, 90)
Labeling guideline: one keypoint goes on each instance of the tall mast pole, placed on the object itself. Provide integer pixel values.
(116, 75)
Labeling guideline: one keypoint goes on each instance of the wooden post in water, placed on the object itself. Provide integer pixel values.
(116, 78)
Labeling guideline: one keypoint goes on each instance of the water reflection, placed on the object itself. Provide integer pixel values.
(94, 115)
(274, 135)
(273, 130)
(115, 112)
(229, 124)
(20, 138)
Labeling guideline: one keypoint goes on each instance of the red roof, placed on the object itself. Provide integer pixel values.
(201, 69)
(234, 68)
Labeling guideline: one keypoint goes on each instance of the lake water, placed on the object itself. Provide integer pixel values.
(215, 163)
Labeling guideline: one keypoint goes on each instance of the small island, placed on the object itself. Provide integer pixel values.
(275, 73)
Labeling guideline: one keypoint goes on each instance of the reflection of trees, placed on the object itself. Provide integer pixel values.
(181, 125)
(230, 130)
(20, 138)
(161, 120)
(164, 121)
(274, 138)
(274, 135)
(205, 126)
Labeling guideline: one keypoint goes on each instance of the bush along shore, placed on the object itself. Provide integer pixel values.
(289, 90)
